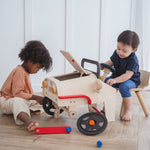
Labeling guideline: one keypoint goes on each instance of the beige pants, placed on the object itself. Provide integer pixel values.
(16, 105)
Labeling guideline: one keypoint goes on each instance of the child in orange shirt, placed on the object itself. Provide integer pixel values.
(17, 96)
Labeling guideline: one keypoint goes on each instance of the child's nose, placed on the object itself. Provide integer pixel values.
(120, 52)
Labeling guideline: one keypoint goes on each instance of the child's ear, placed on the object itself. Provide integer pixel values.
(134, 50)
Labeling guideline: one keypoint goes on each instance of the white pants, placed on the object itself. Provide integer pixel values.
(16, 105)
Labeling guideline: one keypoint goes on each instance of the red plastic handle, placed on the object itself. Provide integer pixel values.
(75, 96)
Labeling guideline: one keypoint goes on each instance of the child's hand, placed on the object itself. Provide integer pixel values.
(39, 99)
(102, 67)
(111, 82)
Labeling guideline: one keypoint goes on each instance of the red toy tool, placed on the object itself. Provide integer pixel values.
(52, 130)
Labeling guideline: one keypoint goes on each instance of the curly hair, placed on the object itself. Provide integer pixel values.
(36, 52)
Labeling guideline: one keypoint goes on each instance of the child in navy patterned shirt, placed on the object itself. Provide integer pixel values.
(125, 62)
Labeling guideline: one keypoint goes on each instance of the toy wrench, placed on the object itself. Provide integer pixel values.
(52, 130)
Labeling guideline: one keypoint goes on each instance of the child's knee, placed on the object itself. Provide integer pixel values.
(124, 89)
(17, 101)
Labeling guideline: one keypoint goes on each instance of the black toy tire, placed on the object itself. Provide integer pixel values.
(49, 107)
(85, 128)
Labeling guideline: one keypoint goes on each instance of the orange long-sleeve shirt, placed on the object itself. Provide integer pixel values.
(17, 84)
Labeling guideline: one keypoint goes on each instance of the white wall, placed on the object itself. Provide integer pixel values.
(11, 35)
(48, 26)
(85, 28)
(115, 18)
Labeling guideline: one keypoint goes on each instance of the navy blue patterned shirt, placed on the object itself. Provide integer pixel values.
(129, 63)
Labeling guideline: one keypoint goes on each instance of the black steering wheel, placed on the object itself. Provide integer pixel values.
(112, 69)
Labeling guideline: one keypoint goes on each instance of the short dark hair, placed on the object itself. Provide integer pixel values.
(130, 38)
(36, 52)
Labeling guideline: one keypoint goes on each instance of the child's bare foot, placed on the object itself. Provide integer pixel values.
(127, 116)
(32, 126)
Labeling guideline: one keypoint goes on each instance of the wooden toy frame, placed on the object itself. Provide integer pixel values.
(65, 92)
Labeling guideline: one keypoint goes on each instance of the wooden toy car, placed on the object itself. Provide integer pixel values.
(81, 87)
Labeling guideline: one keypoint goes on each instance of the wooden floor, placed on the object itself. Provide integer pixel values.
(118, 135)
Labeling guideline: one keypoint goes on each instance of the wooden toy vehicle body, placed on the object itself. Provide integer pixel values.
(65, 92)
